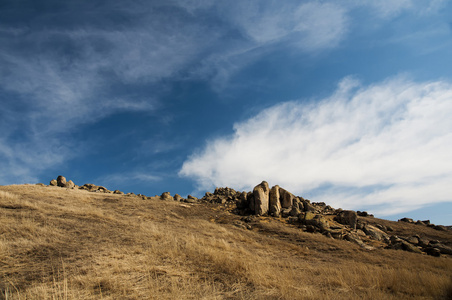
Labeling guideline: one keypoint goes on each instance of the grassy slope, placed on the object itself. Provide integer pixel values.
(70, 244)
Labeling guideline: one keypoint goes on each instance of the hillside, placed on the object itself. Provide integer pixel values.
(70, 243)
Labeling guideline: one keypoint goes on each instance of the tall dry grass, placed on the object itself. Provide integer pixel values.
(69, 244)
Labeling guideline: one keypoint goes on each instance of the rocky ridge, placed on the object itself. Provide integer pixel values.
(313, 217)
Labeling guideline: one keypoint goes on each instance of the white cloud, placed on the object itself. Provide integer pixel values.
(387, 143)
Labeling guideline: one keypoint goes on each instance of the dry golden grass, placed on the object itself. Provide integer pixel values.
(69, 244)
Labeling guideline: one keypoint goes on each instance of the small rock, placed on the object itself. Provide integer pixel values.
(178, 197)
(118, 192)
(53, 182)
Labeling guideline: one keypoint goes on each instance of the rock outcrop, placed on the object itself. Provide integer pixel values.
(315, 217)
(261, 194)
(274, 202)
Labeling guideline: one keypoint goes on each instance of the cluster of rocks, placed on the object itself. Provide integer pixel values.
(314, 217)
(418, 245)
(166, 196)
(62, 182)
(321, 218)
(424, 223)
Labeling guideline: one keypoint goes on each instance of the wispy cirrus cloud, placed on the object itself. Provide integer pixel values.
(384, 144)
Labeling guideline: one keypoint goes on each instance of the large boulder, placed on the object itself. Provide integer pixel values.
(298, 203)
(375, 233)
(70, 184)
(166, 196)
(243, 200)
(410, 248)
(308, 206)
(251, 202)
(274, 204)
(53, 182)
(261, 194)
(286, 198)
(347, 217)
(61, 181)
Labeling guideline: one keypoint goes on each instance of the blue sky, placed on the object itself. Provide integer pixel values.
(346, 102)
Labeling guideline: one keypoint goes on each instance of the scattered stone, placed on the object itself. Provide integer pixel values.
(355, 239)
(362, 213)
(432, 251)
(407, 220)
(440, 227)
(337, 234)
(118, 192)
